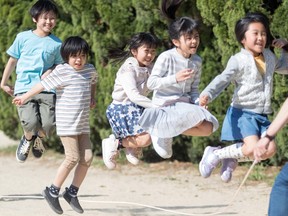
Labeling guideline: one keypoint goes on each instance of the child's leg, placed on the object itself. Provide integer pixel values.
(205, 128)
(51, 193)
(72, 157)
(133, 146)
(86, 157)
(137, 141)
(47, 112)
(28, 115)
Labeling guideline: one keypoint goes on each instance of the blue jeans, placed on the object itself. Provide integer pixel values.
(278, 205)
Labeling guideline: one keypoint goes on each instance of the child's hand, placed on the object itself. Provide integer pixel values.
(183, 75)
(203, 100)
(18, 100)
(8, 89)
(279, 43)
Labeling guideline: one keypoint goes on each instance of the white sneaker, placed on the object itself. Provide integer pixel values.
(110, 151)
(133, 154)
(163, 146)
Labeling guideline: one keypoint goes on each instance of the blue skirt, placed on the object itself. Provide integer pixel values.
(172, 120)
(239, 124)
(123, 119)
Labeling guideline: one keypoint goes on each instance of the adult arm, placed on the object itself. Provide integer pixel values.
(277, 124)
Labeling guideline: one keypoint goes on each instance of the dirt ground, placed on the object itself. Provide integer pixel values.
(155, 189)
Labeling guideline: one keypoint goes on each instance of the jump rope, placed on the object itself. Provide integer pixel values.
(217, 212)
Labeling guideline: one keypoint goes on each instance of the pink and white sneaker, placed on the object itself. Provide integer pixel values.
(209, 161)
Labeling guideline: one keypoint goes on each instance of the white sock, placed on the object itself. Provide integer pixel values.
(232, 151)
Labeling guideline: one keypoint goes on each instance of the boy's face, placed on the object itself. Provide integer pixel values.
(77, 61)
(45, 23)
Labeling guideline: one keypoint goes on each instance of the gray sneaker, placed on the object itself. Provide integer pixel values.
(228, 166)
(38, 147)
(209, 161)
(73, 201)
(23, 149)
(52, 201)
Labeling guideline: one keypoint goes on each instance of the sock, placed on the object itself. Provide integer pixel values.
(232, 151)
(72, 190)
(54, 191)
(120, 145)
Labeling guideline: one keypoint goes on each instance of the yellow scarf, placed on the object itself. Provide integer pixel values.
(260, 63)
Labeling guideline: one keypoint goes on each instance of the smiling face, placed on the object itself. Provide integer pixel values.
(255, 38)
(45, 23)
(77, 61)
(187, 44)
(144, 55)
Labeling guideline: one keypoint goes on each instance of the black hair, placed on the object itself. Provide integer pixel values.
(178, 26)
(43, 6)
(256, 17)
(137, 40)
(73, 45)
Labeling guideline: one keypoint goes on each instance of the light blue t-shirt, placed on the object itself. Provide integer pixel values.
(35, 55)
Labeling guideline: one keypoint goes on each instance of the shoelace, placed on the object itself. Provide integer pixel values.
(38, 145)
(25, 147)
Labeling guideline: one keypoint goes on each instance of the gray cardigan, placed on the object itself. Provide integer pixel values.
(163, 78)
(252, 91)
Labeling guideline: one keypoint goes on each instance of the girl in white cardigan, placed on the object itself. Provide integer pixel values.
(130, 99)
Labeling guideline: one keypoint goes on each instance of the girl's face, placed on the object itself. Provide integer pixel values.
(255, 38)
(187, 44)
(45, 23)
(77, 61)
(144, 55)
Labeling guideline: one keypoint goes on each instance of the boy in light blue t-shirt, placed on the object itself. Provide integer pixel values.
(34, 54)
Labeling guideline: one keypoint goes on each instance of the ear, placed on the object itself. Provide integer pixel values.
(176, 42)
(34, 20)
(134, 52)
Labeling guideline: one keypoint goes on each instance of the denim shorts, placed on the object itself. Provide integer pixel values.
(239, 124)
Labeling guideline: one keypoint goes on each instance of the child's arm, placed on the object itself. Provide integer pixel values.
(47, 72)
(277, 124)
(20, 100)
(11, 64)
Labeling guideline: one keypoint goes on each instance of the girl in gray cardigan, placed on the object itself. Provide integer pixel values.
(175, 79)
(251, 71)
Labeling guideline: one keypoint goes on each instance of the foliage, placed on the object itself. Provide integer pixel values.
(109, 23)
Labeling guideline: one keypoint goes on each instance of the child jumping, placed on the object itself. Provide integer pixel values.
(75, 84)
(251, 70)
(175, 79)
(130, 99)
(34, 53)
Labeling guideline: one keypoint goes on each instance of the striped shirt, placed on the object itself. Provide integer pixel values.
(73, 91)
